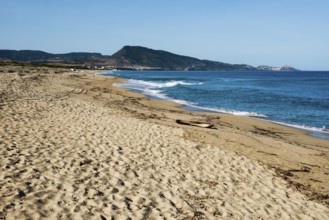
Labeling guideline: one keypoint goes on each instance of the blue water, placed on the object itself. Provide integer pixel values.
(298, 99)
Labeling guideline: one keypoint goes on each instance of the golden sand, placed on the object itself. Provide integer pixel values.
(72, 146)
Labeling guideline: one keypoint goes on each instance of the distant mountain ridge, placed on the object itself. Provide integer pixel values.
(36, 55)
(129, 57)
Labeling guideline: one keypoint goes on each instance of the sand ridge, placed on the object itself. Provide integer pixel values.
(63, 156)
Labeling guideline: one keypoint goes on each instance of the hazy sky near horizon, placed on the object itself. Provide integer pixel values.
(255, 32)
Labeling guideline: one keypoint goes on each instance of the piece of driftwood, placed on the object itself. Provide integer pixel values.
(195, 123)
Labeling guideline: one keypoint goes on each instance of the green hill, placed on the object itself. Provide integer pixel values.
(142, 56)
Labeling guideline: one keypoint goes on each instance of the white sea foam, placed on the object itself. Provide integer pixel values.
(303, 127)
(229, 111)
(152, 89)
(155, 85)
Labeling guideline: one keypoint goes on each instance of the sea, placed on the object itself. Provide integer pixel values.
(297, 99)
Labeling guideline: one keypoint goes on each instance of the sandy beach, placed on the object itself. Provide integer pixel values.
(72, 146)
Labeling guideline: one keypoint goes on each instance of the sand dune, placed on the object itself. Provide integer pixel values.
(65, 157)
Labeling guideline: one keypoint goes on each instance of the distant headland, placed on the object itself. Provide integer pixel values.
(129, 57)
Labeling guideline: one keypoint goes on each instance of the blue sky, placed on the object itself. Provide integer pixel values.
(255, 32)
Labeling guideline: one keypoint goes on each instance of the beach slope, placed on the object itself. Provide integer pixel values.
(74, 147)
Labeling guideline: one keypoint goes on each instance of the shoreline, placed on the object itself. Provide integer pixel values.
(180, 107)
(75, 146)
(311, 131)
(319, 132)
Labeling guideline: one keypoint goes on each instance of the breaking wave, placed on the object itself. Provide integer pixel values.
(152, 89)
